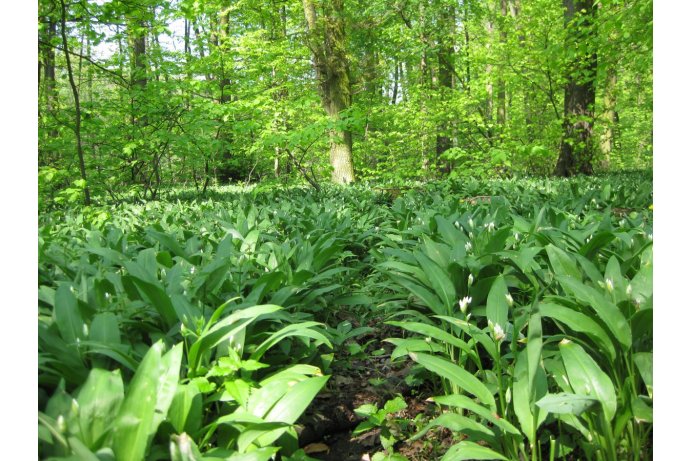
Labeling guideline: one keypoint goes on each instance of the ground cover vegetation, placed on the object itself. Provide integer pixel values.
(345, 230)
(517, 312)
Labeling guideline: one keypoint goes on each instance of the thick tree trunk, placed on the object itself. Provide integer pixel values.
(576, 152)
(326, 40)
(77, 108)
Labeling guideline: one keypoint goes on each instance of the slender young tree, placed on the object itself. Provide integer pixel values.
(576, 151)
(326, 41)
(77, 108)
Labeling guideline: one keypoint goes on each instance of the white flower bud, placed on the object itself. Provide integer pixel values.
(509, 299)
(464, 303)
(470, 279)
(610, 285)
(498, 331)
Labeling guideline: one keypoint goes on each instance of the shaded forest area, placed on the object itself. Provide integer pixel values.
(136, 97)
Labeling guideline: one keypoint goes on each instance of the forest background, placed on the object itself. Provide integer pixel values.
(138, 97)
(20, 195)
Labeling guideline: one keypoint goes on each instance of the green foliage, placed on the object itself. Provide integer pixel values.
(235, 99)
(203, 328)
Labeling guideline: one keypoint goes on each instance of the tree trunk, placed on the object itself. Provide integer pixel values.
(610, 117)
(446, 83)
(77, 109)
(394, 96)
(326, 40)
(576, 151)
(220, 40)
(501, 84)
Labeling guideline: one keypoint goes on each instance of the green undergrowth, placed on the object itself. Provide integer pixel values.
(202, 327)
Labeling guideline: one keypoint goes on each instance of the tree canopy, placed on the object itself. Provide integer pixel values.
(135, 97)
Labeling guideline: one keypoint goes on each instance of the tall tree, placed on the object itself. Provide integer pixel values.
(576, 150)
(326, 41)
(447, 23)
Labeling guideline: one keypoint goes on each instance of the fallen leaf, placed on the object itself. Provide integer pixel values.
(316, 448)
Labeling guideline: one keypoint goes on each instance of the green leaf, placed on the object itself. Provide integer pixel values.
(439, 280)
(105, 329)
(137, 420)
(581, 323)
(497, 304)
(587, 378)
(457, 376)
(465, 402)
(457, 423)
(561, 262)
(428, 298)
(67, 315)
(438, 334)
(183, 448)
(565, 402)
(224, 329)
(469, 450)
(644, 363)
(291, 405)
(607, 311)
(185, 412)
(99, 400)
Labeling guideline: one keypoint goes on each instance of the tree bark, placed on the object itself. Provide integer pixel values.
(326, 40)
(220, 40)
(77, 108)
(501, 84)
(576, 151)
(446, 81)
(610, 117)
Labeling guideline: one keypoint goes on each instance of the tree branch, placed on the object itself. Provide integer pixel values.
(89, 60)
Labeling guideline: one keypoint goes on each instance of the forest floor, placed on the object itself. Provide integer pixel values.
(329, 425)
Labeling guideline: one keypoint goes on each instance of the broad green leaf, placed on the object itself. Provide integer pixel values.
(224, 329)
(185, 412)
(158, 298)
(587, 378)
(291, 405)
(457, 376)
(438, 334)
(99, 400)
(183, 448)
(580, 323)
(440, 281)
(262, 454)
(137, 420)
(529, 416)
(564, 402)
(429, 299)
(644, 363)
(303, 330)
(607, 311)
(642, 411)
(497, 305)
(67, 315)
(465, 402)
(457, 423)
(562, 264)
(469, 450)
(105, 329)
